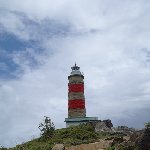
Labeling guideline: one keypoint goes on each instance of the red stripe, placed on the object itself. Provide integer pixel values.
(76, 87)
(76, 104)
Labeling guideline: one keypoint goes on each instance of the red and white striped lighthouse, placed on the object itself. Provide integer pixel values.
(76, 99)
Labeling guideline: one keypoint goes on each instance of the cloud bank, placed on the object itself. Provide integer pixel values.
(40, 41)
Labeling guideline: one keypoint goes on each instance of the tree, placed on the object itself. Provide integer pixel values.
(147, 125)
(47, 128)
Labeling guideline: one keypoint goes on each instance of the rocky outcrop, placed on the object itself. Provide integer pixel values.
(124, 130)
(102, 144)
(99, 126)
(58, 147)
(121, 137)
(102, 126)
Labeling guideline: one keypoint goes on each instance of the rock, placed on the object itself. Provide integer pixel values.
(104, 125)
(136, 136)
(117, 140)
(58, 147)
(102, 144)
(108, 123)
(124, 130)
(101, 126)
(126, 138)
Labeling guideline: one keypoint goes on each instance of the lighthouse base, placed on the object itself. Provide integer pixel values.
(79, 120)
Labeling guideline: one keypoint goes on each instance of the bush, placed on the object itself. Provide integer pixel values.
(47, 128)
(3, 148)
(147, 124)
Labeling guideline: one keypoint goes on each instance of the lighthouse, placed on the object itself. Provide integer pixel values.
(76, 99)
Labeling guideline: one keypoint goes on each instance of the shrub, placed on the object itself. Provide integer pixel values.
(3, 148)
(47, 128)
(147, 124)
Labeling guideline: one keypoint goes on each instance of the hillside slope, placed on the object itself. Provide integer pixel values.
(84, 137)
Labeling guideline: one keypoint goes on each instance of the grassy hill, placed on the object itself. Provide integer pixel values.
(68, 136)
(71, 136)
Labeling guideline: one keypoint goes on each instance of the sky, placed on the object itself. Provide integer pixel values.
(40, 42)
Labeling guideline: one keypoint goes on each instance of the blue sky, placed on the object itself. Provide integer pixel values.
(9, 44)
(39, 42)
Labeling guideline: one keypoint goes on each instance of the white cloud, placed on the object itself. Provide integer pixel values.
(110, 42)
(13, 24)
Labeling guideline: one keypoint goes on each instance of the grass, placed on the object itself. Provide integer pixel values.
(75, 135)
(68, 136)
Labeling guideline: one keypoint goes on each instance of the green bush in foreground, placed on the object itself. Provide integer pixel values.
(47, 128)
(147, 125)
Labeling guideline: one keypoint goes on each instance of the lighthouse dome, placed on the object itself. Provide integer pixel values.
(75, 71)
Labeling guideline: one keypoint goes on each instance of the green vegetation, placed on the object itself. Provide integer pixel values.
(68, 136)
(75, 135)
(123, 146)
(47, 128)
(105, 135)
(3, 148)
(147, 124)
(126, 147)
(111, 148)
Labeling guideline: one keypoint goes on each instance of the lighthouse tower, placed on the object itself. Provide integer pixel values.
(76, 99)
